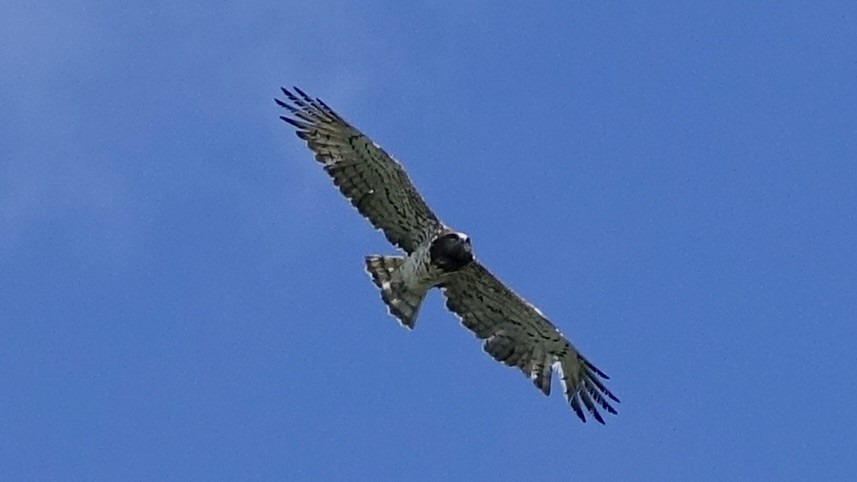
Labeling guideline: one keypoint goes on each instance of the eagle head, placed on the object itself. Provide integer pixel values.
(451, 251)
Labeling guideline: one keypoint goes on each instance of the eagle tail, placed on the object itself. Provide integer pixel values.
(402, 303)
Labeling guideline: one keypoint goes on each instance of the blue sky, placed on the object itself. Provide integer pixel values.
(181, 288)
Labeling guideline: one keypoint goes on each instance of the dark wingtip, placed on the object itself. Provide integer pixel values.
(289, 94)
(593, 368)
(301, 93)
(576, 406)
(594, 411)
(300, 125)
(542, 386)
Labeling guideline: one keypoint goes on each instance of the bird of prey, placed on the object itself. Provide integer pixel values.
(436, 256)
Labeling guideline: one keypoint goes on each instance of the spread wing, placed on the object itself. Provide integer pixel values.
(517, 334)
(369, 177)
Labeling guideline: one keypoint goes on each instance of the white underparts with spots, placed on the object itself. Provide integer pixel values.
(417, 272)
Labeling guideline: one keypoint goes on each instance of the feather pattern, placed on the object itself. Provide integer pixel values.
(371, 179)
(517, 334)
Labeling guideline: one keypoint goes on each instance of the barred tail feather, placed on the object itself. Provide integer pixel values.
(401, 302)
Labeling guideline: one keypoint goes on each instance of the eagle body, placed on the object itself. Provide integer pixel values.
(433, 255)
(404, 281)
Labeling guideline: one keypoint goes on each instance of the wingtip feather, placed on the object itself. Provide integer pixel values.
(302, 94)
(576, 406)
(544, 387)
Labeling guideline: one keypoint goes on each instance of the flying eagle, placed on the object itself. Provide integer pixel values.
(436, 256)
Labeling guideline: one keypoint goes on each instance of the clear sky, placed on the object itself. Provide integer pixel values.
(181, 288)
